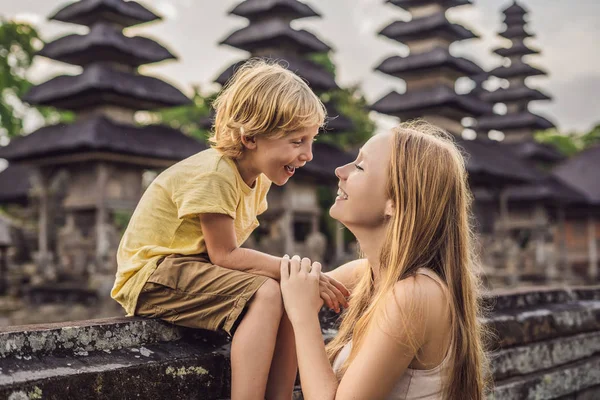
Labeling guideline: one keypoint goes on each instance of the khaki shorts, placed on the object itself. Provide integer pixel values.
(190, 291)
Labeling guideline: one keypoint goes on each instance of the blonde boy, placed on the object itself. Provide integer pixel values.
(180, 258)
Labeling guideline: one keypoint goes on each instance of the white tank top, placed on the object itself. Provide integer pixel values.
(414, 384)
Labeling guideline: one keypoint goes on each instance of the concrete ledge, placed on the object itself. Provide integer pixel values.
(538, 324)
(547, 347)
(527, 359)
(161, 371)
(84, 336)
(565, 380)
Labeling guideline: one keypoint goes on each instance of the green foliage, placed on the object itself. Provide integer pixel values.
(324, 60)
(18, 45)
(570, 143)
(351, 103)
(189, 118)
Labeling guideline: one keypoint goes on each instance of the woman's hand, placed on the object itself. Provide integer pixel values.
(300, 288)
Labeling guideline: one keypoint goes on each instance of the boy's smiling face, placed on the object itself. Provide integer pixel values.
(279, 157)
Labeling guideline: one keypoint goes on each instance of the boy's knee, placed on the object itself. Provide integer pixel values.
(269, 295)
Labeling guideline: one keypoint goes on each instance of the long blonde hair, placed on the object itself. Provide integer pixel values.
(431, 228)
(263, 98)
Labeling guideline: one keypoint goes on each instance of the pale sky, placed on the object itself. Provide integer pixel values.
(567, 33)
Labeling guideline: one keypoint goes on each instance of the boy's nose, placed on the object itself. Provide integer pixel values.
(307, 155)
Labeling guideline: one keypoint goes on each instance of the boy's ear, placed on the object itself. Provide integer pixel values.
(390, 209)
(249, 142)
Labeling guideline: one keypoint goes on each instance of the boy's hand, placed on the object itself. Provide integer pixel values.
(333, 292)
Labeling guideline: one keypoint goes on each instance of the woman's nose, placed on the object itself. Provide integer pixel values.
(340, 172)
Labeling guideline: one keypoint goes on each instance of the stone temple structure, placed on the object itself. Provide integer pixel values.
(292, 222)
(430, 72)
(531, 221)
(518, 124)
(87, 176)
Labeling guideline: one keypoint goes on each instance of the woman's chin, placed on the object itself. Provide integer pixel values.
(335, 212)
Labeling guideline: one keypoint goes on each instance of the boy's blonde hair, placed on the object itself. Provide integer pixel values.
(262, 98)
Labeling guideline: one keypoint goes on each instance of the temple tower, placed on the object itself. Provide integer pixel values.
(88, 175)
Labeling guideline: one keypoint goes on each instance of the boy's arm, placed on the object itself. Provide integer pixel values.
(349, 274)
(221, 244)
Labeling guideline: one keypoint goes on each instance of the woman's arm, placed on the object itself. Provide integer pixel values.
(384, 355)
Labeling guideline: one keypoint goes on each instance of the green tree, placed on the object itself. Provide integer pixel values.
(352, 104)
(570, 143)
(591, 138)
(18, 44)
(192, 118)
(567, 143)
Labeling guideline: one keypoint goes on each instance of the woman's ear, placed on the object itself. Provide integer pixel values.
(390, 209)
(249, 142)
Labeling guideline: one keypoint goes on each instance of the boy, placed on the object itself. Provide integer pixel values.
(180, 258)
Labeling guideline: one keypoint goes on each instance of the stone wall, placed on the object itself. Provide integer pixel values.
(547, 346)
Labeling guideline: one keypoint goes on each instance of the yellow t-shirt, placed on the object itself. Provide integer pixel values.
(166, 220)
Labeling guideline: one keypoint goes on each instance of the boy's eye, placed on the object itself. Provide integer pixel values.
(298, 142)
(358, 167)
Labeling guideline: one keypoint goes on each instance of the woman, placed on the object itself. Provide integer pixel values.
(411, 330)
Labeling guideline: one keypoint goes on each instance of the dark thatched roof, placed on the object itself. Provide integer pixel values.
(581, 173)
(515, 19)
(516, 70)
(518, 49)
(99, 85)
(100, 134)
(439, 99)
(515, 9)
(512, 121)
(275, 34)
(549, 189)
(105, 43)
(535, 151)
(436, 25)
(326, 158)
(317, 76)
(513, 94)
(489, 164)
(286, 9)
(120, 12)
(336, 122)
(406, 4)
(15, 184)
(419, 64)
(515, 32)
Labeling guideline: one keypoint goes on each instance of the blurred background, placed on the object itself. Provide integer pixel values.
(99, 96)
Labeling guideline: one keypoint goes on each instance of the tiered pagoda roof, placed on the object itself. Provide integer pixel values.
(519, 120)
(436, 98)
(259, 9)
(109, 78)
(320, 79)
(100, 134)
(270, 36)
(420, 63)
(407, 4)
(581, 173)
(99, 84)
(108, 43)
(119, 12)
(431, 26)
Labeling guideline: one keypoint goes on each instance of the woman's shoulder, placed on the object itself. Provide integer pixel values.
(421, 297)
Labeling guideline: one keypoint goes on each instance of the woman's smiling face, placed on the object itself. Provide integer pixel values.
(362, 193)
